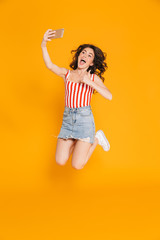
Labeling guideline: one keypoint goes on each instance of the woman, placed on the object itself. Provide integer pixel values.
(77, 132)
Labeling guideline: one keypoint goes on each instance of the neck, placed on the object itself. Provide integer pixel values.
(80, 71)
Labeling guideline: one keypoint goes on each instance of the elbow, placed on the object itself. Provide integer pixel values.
(48, 66)
(109, 96)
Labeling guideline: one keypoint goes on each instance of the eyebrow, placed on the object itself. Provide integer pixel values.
(89, 53)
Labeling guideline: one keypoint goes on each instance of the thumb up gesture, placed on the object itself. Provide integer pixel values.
(86, 77)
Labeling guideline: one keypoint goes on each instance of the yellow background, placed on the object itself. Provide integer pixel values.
(117, 194)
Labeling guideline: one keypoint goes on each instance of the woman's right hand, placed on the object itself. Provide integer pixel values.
(49, 33)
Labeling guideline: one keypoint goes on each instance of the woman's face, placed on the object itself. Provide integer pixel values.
(85, 58)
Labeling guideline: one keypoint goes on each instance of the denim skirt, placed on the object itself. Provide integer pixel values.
(78, 123)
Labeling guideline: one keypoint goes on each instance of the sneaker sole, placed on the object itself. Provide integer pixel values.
(108, 145)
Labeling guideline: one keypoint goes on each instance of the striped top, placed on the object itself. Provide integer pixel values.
(77, 94)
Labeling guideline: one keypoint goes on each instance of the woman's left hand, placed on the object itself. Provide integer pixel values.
(86, 77)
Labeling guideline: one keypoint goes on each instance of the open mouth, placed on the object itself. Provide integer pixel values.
(82, 61)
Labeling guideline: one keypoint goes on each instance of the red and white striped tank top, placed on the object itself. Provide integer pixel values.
(77, 94)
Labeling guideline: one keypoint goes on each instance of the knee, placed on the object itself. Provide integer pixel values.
(77, 166)
(61, 161)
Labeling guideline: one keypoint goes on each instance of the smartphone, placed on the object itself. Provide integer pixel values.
(58, 33)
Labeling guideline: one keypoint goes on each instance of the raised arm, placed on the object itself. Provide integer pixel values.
(51, 66)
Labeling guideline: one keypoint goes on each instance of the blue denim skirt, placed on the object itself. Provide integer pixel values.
(78, 123)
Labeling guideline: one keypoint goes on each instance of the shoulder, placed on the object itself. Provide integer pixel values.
(65, 73)
(97, 79)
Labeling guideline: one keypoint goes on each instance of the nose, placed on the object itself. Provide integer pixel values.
(85, 55)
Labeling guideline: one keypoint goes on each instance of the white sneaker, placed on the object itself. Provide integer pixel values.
(102, 140)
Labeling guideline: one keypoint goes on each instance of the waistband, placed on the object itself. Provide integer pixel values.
(67, 109)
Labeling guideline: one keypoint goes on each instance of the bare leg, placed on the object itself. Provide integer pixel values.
(63, 150)
(71, 149)
(82, 152)
(91, 149)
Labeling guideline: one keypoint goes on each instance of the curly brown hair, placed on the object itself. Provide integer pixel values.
(99, 65)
